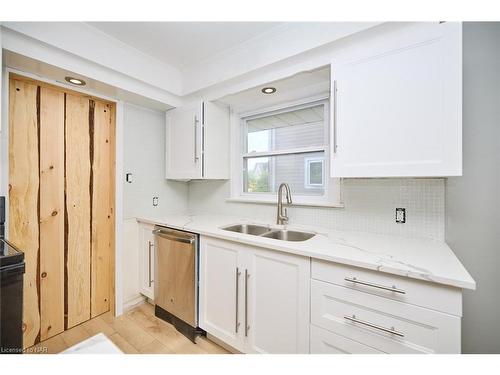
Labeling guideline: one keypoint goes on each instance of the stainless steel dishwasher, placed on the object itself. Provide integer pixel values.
(176, 279)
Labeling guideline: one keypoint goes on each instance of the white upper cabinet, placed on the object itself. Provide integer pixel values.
(183, 142)
(397, 105)
(215, 141)
(197, 142)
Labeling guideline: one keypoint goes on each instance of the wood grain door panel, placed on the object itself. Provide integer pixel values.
(164, 276)
(77, 210)
(23, 196)
(175, 278)
(51, 212)
(185, 282)
(102, 208)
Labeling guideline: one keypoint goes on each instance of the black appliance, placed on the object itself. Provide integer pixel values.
(11, 292)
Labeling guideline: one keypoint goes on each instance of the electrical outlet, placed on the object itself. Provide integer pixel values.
(155, 201)
(400, 215)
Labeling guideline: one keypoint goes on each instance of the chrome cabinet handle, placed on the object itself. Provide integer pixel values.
(247, 327)
(168, 236)
(149, 265)
(391, 330)
(335, 108)
(196, 139)
(237, 324)
(373, 285)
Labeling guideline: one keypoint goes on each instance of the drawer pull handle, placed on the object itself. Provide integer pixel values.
(247, 327)
(389, 288)
(150, 280)
(237, 324)
(391, 330)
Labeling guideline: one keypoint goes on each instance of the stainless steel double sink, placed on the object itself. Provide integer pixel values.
(267, 232)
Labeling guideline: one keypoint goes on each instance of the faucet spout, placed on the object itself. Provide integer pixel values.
(282, 217)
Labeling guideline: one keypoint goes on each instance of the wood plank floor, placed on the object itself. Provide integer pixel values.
(135, 332)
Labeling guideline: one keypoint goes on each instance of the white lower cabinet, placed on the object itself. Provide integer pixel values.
(253, 299)
(326, 342)
(220, 291)
(265, 301)
(383, 324)
(278, 302)
(372, 310)
(146, 260)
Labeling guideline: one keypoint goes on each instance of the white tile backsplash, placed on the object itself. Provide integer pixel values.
(144, 157)
(369, 206)
(369, 203)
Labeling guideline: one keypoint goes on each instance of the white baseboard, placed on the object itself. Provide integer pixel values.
(131, 303)
(228, 347)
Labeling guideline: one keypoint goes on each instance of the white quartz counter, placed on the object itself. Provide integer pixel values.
(416, 258)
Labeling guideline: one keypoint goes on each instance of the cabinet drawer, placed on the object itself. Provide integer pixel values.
(381, 323)
(421, 293)
(326, 342)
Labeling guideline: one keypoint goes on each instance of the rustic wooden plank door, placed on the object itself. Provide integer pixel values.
(61, 204)
(51, 212)
(77, 210)
(23, 195)
(102, 207)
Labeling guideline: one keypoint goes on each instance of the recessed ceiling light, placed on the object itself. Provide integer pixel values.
(75, 81)
(269, 90)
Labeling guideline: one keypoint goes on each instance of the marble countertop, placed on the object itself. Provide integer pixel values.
(416, 258)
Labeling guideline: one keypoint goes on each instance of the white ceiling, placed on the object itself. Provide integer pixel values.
(183, 44)
(302, 85)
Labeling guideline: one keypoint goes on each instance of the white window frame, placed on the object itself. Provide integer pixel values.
(332, 186)
(307, 172)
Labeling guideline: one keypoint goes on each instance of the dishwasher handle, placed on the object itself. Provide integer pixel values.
(169, 236)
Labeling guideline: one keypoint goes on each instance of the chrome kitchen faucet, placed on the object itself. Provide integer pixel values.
(282, 217)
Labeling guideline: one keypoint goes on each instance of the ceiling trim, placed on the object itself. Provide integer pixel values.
(277, 53)
(87, 42)
(279, 43)
(52, 56)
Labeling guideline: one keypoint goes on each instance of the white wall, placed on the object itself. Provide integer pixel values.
(473, 200)
(369, 206)
(144, 157)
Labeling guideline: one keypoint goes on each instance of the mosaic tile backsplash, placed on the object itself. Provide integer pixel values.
(369, 206)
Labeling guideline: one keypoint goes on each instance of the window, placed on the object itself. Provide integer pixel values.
(287, 145)
(315, 171)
